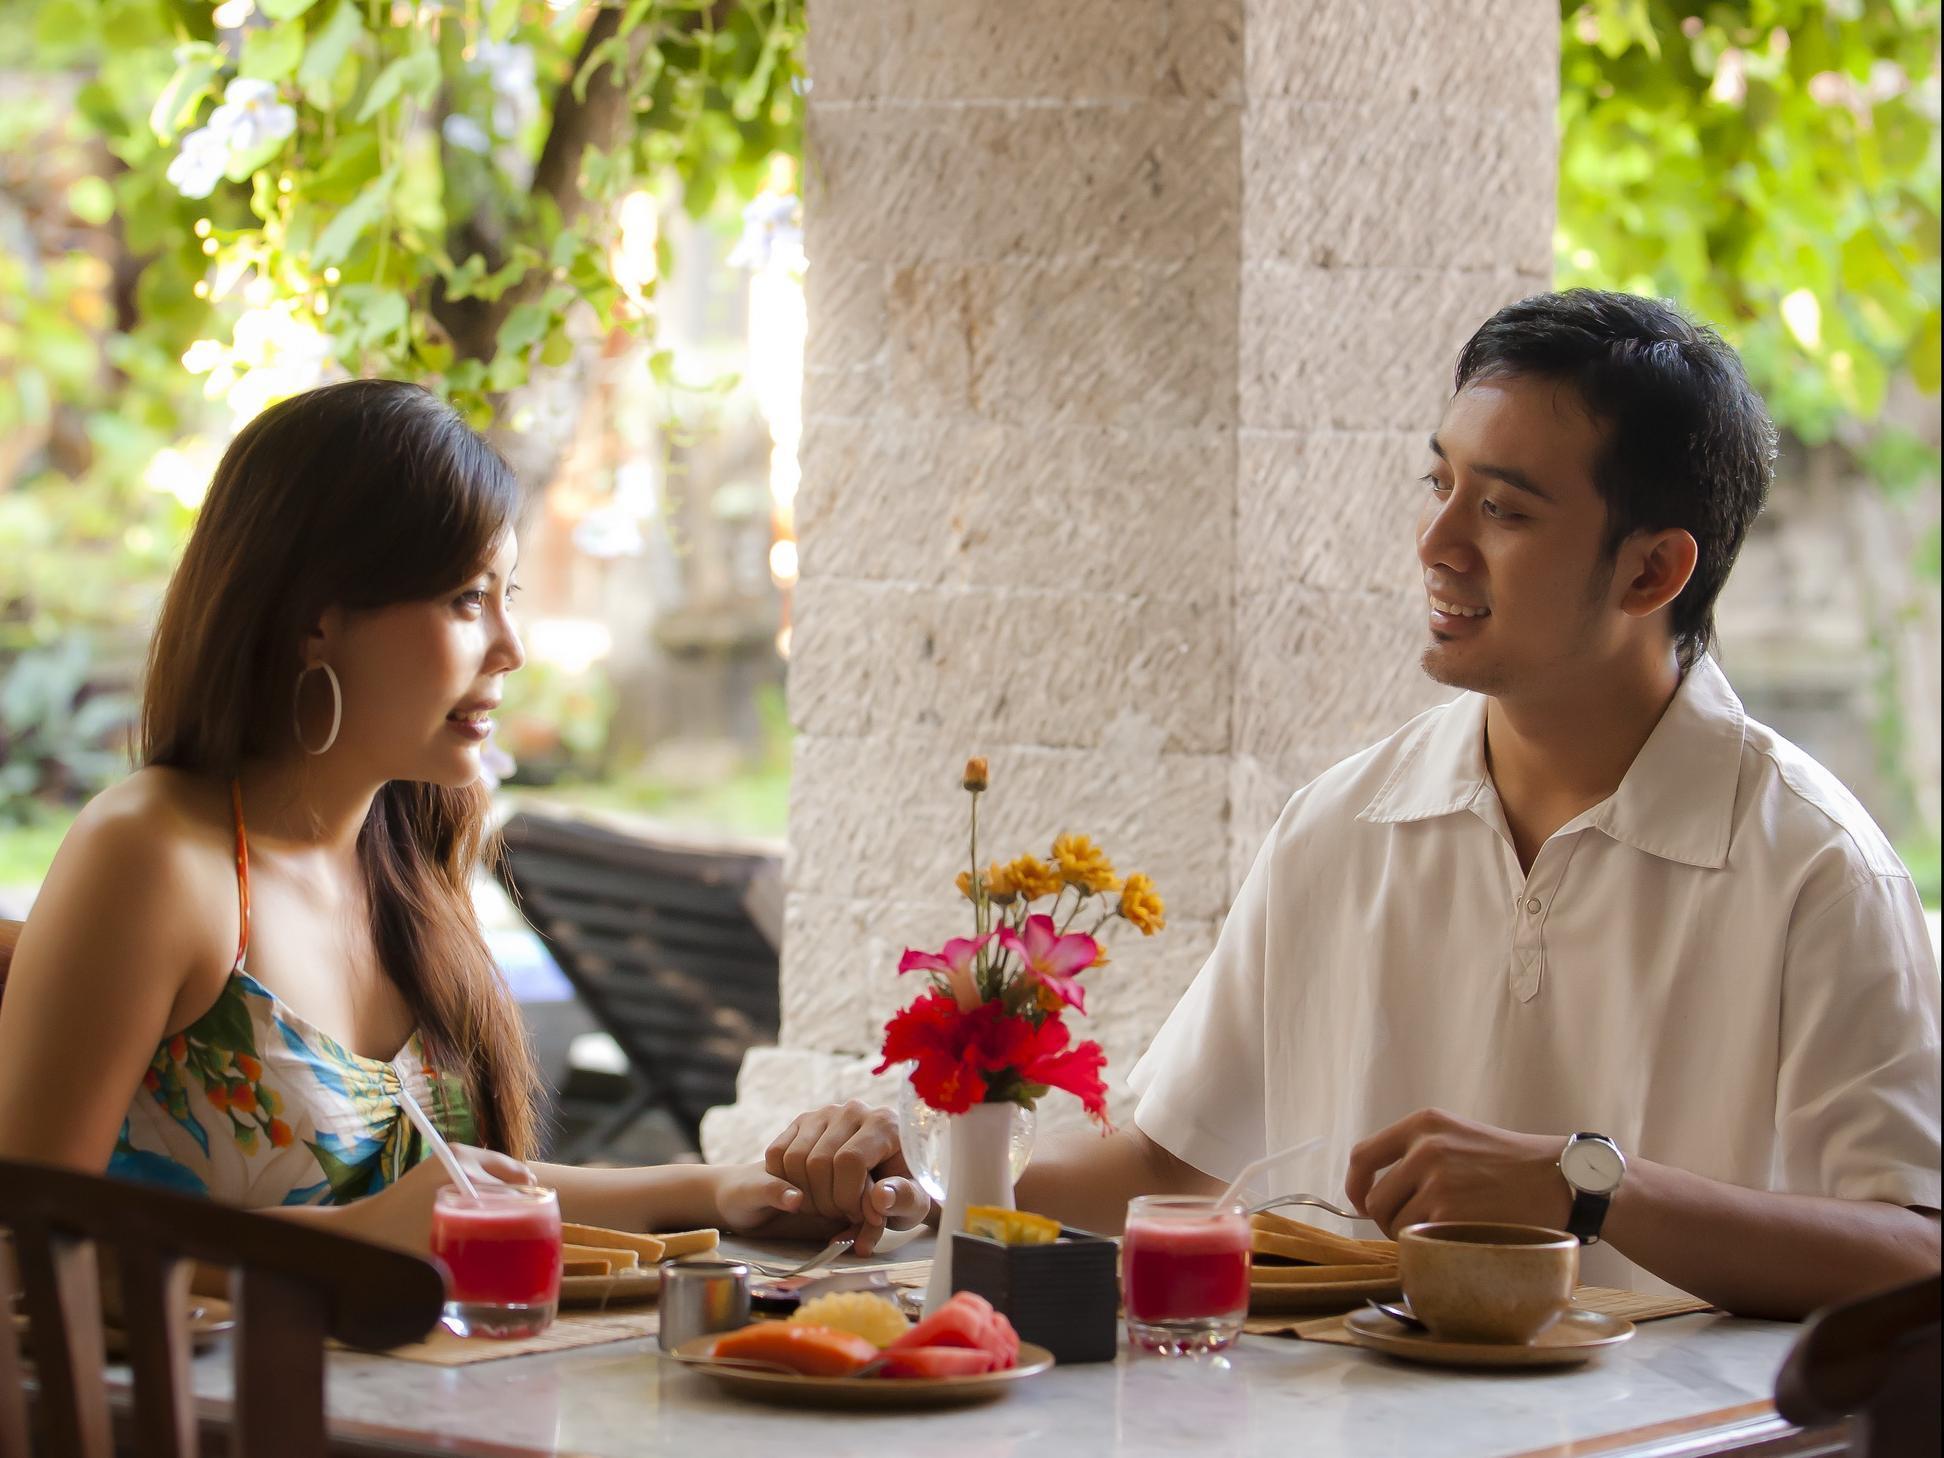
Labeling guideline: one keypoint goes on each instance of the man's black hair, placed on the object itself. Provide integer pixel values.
(1689, 443)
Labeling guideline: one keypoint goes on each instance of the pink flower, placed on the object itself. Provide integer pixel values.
(1052, 960)
(955, 961)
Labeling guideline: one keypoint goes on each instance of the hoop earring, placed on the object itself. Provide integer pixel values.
(337, 708)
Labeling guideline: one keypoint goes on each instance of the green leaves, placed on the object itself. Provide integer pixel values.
(272, 53)
(1734, 157)
(327, 75)
(337, 240)
(415, 75)
(197, 67)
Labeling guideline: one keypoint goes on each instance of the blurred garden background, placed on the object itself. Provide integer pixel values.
(581, 223)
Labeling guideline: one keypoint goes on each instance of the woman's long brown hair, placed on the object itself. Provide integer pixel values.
(358, 495)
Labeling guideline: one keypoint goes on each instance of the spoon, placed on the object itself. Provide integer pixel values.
(1402, 1315)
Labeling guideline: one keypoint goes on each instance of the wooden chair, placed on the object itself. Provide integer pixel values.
(671, 945)
(1872, 1362)
(293, 1285)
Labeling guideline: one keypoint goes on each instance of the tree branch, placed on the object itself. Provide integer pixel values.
(577, 124)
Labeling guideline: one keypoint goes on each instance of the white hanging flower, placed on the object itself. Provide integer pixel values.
(198, 166)
(608, 533)
(495, 764)
(771, 234)
(508, 65)
(205, 355)
(466, 134)
(251, 116)
(511, 70)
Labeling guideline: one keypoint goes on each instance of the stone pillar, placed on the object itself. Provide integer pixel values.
(1127, 321)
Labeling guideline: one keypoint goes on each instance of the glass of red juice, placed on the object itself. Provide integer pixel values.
(500, 1250)
(1185, 1273)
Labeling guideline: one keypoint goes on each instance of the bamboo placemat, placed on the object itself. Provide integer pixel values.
(443, 1349)
(591, 1328)
(1633, 1305)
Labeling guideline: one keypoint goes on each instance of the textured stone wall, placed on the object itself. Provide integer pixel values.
(1127, 321)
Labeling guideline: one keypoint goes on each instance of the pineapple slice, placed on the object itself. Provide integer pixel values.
(857, 1312)
(1011, 1227)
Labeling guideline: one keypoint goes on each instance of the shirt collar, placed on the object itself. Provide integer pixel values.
(1677, 800)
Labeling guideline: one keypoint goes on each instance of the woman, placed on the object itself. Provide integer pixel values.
(245, 951)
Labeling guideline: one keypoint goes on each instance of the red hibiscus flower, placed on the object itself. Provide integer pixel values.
(958, 1054)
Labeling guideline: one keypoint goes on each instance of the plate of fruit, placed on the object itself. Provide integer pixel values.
(856, 1349)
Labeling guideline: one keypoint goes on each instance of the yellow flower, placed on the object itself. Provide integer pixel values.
(1084, 864)
(999, 884)
(1142, 906)
(996, 879)
(1033, 878)
(1100, 955)
(975, 774)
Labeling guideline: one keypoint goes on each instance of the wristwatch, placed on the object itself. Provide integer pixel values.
(1594, 1166)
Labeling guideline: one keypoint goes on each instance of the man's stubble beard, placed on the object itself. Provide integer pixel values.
(1484, 679)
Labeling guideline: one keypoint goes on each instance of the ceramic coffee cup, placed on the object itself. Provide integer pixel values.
(1477, 1282)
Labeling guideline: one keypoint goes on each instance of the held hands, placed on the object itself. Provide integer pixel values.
(1437, 1166)
(850, 1168)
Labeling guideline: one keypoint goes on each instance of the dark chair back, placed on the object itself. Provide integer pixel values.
(665, 944)
(293, 1286)
(1874, 1362)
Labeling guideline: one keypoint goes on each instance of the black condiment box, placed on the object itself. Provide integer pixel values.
(1064, 1295)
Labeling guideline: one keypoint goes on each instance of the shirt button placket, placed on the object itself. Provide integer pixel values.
(1528, 944)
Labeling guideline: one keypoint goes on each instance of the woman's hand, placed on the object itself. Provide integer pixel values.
(401, 1213)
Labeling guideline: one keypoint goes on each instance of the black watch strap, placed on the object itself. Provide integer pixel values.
(1589, 1214)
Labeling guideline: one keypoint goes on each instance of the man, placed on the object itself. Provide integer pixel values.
(1589, 897)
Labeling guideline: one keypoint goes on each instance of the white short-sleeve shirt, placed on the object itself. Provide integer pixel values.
(1723, 966)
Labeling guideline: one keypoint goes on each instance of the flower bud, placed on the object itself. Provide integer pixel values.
(975, 774)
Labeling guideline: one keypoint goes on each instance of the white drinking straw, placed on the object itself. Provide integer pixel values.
(1251, 1170)
(437, 1141)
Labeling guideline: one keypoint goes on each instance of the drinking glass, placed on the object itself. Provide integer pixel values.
(500, 1250)
(1185, 1273)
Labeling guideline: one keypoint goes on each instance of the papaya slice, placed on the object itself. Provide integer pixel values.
(814, 1351)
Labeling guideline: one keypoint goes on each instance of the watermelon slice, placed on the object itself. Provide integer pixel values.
(968, 1321)
(936, 1362)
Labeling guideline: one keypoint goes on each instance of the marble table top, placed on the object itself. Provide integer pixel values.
(1268, 1396)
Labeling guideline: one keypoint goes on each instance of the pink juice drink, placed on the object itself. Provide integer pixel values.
(1184, 1273)
(501, 1254)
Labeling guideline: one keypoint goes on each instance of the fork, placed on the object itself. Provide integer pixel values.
(816, 1262)
(1277, 1201)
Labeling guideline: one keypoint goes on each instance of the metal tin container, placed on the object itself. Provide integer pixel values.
(700, 1297)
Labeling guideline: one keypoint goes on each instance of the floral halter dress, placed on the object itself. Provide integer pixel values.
(253, 1106)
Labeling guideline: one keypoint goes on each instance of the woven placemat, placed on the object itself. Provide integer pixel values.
(443, 1349)
(1633, 1305)
(591, 1328)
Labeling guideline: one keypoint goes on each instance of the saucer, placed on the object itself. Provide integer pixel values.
(1576, 1337)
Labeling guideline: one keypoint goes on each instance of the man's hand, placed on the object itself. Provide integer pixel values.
(847, 1160)
(1437, 1166)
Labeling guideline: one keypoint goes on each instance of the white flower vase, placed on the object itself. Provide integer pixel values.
(983, 1147)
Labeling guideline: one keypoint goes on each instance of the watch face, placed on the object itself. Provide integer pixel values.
(1593, 1165)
